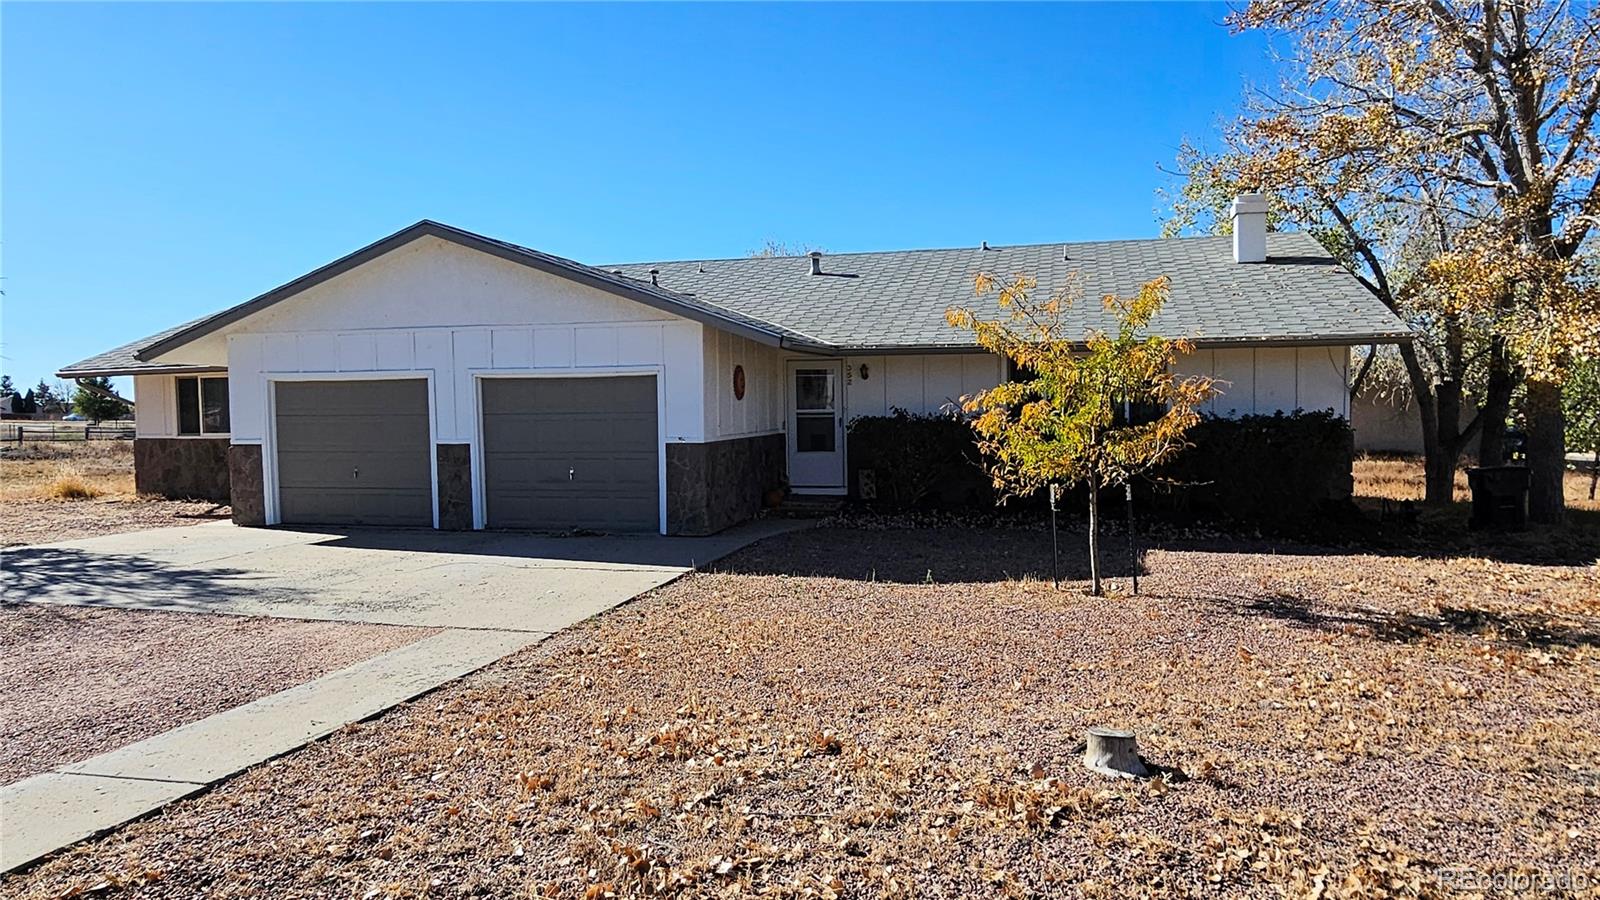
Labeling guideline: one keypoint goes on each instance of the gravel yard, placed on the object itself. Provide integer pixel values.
(896, 713)
(79, 682)
(43, 521)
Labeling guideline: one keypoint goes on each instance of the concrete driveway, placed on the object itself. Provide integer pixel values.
(492, 593)
(463, 580)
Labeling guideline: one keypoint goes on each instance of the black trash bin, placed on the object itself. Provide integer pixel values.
(1499, 497)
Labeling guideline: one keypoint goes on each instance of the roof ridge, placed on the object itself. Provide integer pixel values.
(993, 247)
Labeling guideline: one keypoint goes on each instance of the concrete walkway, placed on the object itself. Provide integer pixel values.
(495, 593)
(48, 812)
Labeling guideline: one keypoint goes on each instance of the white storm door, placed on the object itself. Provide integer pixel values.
(816, 426)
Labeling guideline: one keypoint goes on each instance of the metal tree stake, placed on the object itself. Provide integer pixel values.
(1055, 543)
(1133, 541)
(1127, 487)
(1055, 540)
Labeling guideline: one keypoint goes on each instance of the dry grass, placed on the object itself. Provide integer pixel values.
(97, 476)
(71, 486)
(896, 713)
(47, 471)
(1400, 478)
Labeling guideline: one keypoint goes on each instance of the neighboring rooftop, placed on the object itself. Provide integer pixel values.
(896, 301)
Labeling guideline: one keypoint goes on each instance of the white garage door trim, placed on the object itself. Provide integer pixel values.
(269, 448)
(479, 507)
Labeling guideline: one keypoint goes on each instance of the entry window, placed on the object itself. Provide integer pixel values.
(813, 390)
(203, 405)
(814, 411)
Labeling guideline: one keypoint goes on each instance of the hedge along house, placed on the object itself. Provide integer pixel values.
(441, 378)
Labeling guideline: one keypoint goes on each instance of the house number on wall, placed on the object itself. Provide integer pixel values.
(738, 382)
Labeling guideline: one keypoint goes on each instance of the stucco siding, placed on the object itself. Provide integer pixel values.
(1393, 425)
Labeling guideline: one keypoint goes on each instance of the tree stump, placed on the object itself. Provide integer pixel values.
(1113, 751)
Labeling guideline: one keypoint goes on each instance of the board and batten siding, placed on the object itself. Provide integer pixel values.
(1267, 380)
(762, 410)
(455, 356)
(919, 384)
(433, 307)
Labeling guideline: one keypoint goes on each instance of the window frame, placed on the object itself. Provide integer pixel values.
(199, 396)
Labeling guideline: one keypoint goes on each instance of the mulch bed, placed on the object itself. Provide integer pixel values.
(898, 713)
(44, 521)
(79, 682)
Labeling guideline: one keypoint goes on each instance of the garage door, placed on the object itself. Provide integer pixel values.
(354, 453)
(569, 453)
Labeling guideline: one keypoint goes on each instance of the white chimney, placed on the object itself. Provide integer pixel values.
(816, 262)
(1250, 228)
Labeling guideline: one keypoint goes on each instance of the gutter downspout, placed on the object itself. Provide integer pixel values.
(99, 391)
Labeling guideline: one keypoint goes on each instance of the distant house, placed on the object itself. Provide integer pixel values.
(441, 378)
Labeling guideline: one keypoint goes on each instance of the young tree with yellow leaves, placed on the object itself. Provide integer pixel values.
(1447, 149)
(1058, 423)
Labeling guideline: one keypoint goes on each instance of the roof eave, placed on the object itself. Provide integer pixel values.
(1316, 340)
(127, 371)
(1330, 340)
(430, 228)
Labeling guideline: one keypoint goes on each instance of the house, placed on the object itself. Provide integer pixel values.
(441, 378)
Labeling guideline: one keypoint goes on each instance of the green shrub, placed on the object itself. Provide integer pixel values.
(918, 461)
(1276, 472)
(1269, 470)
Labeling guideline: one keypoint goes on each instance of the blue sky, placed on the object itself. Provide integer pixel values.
(165, 161)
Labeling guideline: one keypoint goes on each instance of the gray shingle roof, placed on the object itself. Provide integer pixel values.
(639, 281)
(121, 360)
(898, 299)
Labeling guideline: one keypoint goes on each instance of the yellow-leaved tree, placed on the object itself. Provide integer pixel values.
(1058, 422)
(1448, 152)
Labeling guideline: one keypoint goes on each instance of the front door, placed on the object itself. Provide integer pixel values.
(816, 427)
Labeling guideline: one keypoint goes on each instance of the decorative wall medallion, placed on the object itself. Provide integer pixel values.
(738, 382)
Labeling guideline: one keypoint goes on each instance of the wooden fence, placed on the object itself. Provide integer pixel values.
(26, 432)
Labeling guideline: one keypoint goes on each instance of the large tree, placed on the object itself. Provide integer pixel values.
(1448, 150)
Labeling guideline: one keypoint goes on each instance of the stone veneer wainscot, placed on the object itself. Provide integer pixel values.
(189, 468)
(713, 486)
(249, 488)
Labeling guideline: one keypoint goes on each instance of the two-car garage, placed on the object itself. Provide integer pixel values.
(556, 453)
